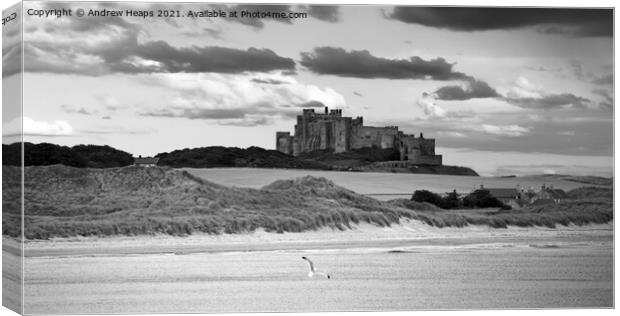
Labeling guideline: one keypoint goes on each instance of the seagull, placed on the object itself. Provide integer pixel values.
(314, 272)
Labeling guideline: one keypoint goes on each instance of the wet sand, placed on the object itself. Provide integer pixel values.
(406, 267)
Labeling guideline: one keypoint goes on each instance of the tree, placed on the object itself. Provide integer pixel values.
(482, 198)
(451, 201)
(427, 196)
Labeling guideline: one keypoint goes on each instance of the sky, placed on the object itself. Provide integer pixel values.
(502, 90)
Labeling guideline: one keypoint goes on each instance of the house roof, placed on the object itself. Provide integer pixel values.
(146, 161)
(502, 193)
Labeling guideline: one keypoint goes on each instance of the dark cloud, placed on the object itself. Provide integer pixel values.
(125, 54)
(358, 94)
(573, 22)
(361, 64)
(474, 89)
(328, 13)
(211, 58)
(552, 101)
(604, 80)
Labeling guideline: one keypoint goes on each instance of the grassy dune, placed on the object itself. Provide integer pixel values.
(63, 201)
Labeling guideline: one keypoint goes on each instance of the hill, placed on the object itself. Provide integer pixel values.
(66, 201)
(63, 201)
(44, 154)
(218, 156)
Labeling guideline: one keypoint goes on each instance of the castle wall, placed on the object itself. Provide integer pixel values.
(319, 136)
(284, 142)
(342, 135)
(369, 136)
(296, 147)
(418, 150)
(427, 146)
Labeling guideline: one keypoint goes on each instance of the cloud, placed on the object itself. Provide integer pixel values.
(211, 58)
(567, 133)
(256, 23)
(70, 109)
(606, 94)
(524, 94)
(246, 121)
(11, 47)
(228, 99)
(117, 130)
(508, 130)
(328, 13)
(268, 81)
(551, 101)
(571, 22)
(358, 94)
(457, 125)
(36, 128)
(112, 45)
(361, 64)
(325, 13)
(431, 110)
(312, 104)
(604, 80)
(472, 88)
(205, 31)
(11, 59)
(608, 99)
(152, 57)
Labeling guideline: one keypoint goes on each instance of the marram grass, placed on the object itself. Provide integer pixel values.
(63, 201)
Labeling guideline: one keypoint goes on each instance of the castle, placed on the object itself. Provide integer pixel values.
(337, 133)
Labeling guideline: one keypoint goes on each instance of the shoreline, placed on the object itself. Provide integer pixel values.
(407, 235)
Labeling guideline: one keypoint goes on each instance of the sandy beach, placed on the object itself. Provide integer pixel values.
(410, 266)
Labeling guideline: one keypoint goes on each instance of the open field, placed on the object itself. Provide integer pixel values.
(382, 186)
(405, 267)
